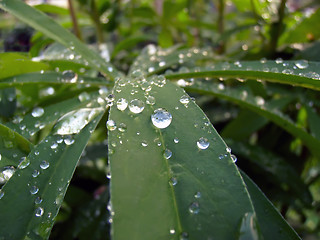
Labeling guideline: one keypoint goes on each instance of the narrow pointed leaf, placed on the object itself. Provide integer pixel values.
(256, 104)
(13, 147)
(33, 195)
(298, 73)
(173, 180)
(49, 27)
(272, 224)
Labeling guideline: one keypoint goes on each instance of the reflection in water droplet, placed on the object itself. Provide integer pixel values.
(34, 190)
(39, 212)
(122, 104)
(37, 112)
(136, 106)
(161, 118)
(167, 153)
(194, 208)
(203, 143)
(301, 64)
(44, 165)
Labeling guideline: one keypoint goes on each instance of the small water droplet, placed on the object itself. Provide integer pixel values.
(176, 140)
(167, 154)
(37, 112)
(34, 190)
(172, 231)
(233, 158)
(38, 200)
(136, 106)
(68, 141)
(35, 173)
(301, 64)
(122, 104)
(144, 143)
(69, 76)
(84, 96)
(111, 125)
(122, 127)
(161, 118)
(184, 100)
(184, 236)
(54, 145)
(279, 60)
(173, 181)
(1, 194)
(25, 162)
(39, 212)
(228, 150)
(44, 164)
(203, 143)
(150, 100)
(197, 195)
(194, 208)
(162, 64)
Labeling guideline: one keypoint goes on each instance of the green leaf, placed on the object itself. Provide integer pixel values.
(197, 192)
(272, 224)
(313, 121)
(33, 195)
(12, 64)
(49, 27)
(52, 78)
(13, 147)
(8, 102)
(244, 98)
(297, 73)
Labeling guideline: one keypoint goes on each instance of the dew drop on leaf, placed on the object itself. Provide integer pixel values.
(69, 76)
(68, 141)
(203, 143)
(172, 231)
(233, 158)
(1, 194)
(161, 118)
(184, 100)
(35, 173)
(173, 181)
(136, 106)
(122, 104)
(197, 195)
(44, 164)
(24, 163)
(37, 112)
(6, 173)
(111, 125)
(167, 154)
(176, 140)
(301, 64)
(39, 212)
(34, 190)
(194, 208)
(144, 144)
(122, 127)
(54, 145)
(184, 236)
(38, 200)
(150, 100)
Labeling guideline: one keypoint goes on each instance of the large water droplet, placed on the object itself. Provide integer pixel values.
(111, 125)
(34, 190)
(44, 164)
(122, 104)
(301, 64)
(69, 76)
(203, 143)
(37, 112)
(39, 212)
(136, 106)
(161, 118)
(167, 154)
(194, 208)
(6, 173)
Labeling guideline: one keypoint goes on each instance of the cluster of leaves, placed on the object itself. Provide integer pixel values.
(91, 149)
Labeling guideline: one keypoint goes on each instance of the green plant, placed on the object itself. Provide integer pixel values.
(171, 174)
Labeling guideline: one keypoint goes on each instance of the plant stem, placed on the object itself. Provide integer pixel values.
(74, 20)
(95, 17)
(277, 28)
(221, 5)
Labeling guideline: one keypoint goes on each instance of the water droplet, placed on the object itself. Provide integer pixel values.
(184, 100)
(111, 125)
(162, 64)
(301, 64)
(35, 173)
(54, 145)
(122, 104)
(228, 150)
(69, 76)
(194, 208)
(279, 60)
(34, 190)
(173, 181)
(197, 195)
(144, 144)
(6, 173)
(39, 212)
(167, 154)
(233, 158)
(122, 127)
(38, 200)
(203, 143)
(68, 141)
(1, 194)
(44, 164)
(176, 140)
(150, 100)
(37, 112)
(136, 106)
(24, 163)
(84, 97)
(184, 236)
(161, 118)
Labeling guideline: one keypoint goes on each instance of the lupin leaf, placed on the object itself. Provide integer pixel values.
(49, 27)
(256, 104)
(272, 224)
(173, 182)
(13, 147)
(32, 197)
(297, 73)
